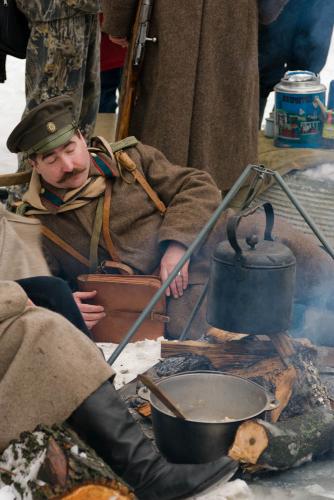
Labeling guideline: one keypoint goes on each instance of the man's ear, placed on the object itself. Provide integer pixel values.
(81, 136)
(33, 163)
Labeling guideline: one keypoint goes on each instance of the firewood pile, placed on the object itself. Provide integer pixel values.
(67, 468)
(299, 429)
(302, 425)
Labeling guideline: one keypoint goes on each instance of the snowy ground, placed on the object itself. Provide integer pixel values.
(314, 481)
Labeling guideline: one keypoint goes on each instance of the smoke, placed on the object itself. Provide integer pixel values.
(324, 172)
(314, 319)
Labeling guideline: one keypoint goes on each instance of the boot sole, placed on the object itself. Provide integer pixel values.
(222, 476)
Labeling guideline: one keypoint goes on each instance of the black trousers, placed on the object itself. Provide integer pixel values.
(54, 294)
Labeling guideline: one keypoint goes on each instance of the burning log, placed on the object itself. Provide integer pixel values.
(260, 445)
(285, 367)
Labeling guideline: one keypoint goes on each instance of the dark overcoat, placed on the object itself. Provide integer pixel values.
(298, 39)
(197, 97)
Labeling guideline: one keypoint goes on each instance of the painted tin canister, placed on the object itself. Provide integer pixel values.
(298, 120)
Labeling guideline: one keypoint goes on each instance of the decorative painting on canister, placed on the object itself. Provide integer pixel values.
(298, 119)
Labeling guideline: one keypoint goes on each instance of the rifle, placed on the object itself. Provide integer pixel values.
(133, 64)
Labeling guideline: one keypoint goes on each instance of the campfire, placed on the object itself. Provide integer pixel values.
(302, 424)
(295, 425)
(251, 291)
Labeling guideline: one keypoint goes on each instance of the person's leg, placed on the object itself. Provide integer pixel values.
(105, 423)
(110, 82)
(179, 311)
(54, 294)
(89, 84)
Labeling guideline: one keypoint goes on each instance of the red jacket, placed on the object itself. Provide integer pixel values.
(111, 55)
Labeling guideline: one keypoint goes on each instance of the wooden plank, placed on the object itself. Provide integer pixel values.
(15, 178)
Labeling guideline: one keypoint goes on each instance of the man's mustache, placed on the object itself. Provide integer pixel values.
(68, 175)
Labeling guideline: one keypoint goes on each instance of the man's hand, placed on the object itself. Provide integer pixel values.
(173, 254)
(91, 314)
(123, 42)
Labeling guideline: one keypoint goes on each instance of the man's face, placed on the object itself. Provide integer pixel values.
(65, 167)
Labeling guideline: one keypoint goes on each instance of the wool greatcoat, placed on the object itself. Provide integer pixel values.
(197, 95)
(21, 254)
(140, 234)
(47, 366)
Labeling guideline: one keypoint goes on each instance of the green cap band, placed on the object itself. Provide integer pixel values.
(55, 140)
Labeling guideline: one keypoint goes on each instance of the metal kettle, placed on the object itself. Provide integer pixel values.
(251, 285)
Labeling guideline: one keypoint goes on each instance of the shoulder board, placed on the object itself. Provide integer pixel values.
(128, 142)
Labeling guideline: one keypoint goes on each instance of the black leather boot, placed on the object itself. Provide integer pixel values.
(105, 423)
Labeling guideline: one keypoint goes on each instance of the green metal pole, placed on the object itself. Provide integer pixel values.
(321, 237)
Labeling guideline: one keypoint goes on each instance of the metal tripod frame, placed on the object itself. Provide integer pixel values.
(261, 172)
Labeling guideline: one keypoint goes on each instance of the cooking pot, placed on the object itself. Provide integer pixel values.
(252, 283)
(214, 404)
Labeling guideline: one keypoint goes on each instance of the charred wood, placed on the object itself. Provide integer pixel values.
(292, 376)
(231, 353)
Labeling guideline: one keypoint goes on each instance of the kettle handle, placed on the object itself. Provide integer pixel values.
(234, 221)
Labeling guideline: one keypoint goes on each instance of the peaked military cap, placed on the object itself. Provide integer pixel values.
(46, 127)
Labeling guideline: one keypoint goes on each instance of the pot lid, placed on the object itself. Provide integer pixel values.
(300, 82)
(255, 254)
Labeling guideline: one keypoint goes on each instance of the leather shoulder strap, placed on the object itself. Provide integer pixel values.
(125, 161)
(64, 245)
(130, 165)
(106, 223)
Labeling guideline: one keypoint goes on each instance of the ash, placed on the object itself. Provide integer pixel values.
(309, 391)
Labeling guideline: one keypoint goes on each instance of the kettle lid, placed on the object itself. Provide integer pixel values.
(253, 253)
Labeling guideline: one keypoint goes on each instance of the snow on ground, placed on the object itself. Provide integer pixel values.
(311, 482)
(12, 103)
(137, 357)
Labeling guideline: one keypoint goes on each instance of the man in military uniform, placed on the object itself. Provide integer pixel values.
(63, 55)
(68, 181)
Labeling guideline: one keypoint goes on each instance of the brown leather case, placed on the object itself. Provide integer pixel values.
(123, 299)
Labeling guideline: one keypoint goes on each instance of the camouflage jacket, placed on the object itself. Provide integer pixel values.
(51, 10)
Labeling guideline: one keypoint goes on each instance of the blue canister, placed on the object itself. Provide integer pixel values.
(298, 119)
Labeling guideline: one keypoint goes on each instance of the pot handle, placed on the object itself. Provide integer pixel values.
(234, 221)
(272, 402)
